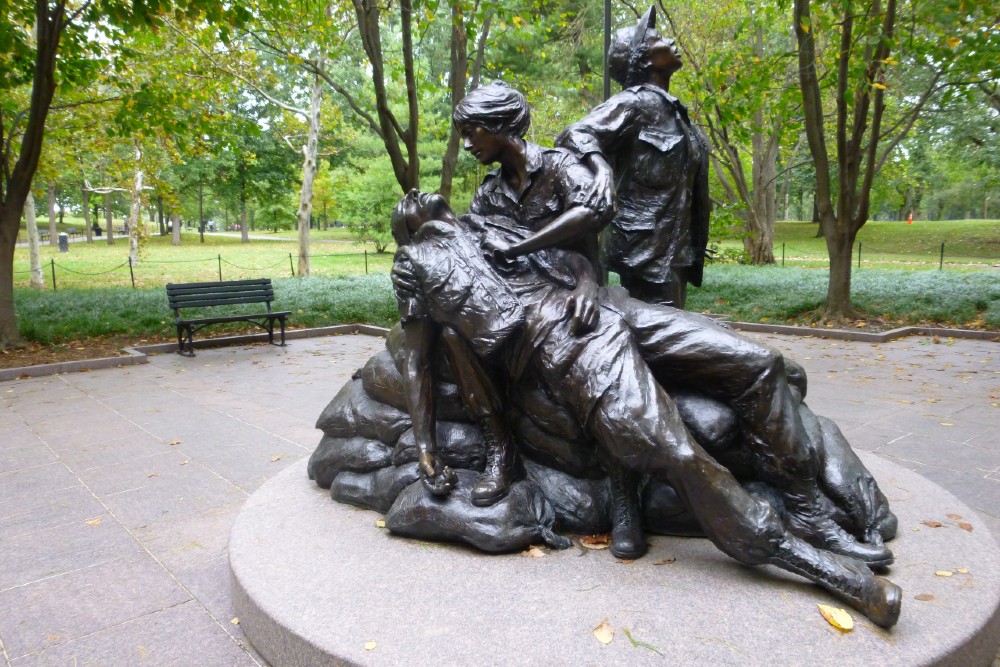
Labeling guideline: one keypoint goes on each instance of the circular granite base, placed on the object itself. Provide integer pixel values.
(317, 582)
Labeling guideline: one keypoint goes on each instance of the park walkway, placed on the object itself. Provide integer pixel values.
(118, 487)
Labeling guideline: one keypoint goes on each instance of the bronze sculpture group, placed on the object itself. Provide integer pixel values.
(536, 397)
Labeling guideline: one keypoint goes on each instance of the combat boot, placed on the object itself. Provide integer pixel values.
(627, 539)
(808, 519)
(847, 579)
(503, 467)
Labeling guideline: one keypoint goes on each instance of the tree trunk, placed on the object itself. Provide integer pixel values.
(759, 239)
(34, 253)
(159, 214)
(840, 246)
(135, 211)
(53, 229)
(244, 234)
(86, 214)
(457, 79)
(9, 336)
(309, 151)
(175, 235)
(109, 219)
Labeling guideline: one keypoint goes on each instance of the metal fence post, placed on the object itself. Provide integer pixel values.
(859, 254)
(54, 288)
(291, 265)
(131, 273)
(220, 267)
(941, 262)
(782, 255)
(366, 262)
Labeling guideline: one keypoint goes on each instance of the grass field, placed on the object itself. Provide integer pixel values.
(968, 244)
(966, 294)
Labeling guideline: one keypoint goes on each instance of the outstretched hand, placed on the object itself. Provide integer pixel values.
(439, 481)
(498, 250)
(602, 193)
(582, 308)
(404, 281)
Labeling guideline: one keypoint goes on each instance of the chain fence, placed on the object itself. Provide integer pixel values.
(65, 273)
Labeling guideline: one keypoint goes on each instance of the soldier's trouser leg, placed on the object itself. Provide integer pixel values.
(672, 292)
(639, 426)
(693, 351)
(483, 393)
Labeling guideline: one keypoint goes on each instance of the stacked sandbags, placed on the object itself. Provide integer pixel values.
(367, 457)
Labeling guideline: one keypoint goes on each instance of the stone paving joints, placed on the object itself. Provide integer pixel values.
(118, 487)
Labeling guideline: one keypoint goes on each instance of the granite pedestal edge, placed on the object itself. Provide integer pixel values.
(314, 581)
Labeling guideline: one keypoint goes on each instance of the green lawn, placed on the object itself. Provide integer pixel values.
(968, 244)
(966, 294)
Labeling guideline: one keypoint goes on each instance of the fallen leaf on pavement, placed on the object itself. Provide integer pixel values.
(932, 524)
(174, 442)
(924, 597)
(965, 525)
(533, 552)
(380, 523)
(665, 561)
(604, 632)
(152, 474)
(235, 621)
(276, 458)
(956, 517)
(944, 573)
(836, 617)
(962, 570)
(94, 522)
(596, 541)
(370, 646)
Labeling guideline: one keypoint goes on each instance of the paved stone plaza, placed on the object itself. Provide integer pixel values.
(118, 487)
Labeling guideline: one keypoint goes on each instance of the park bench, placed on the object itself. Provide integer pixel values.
(185, 296)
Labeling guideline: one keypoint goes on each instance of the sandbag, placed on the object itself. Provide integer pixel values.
(353, 414)
(382, 382)
(576, 459)
(523, 517)
(534, 401)
(335, 455)
(458, 445)
(373, 490)
(665, 513)
(582, 506)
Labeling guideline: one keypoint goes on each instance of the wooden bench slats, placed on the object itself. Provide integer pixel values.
(225, 293)
(232, 318)
(202, 301)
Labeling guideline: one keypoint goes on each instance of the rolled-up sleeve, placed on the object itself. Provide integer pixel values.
(607, 127)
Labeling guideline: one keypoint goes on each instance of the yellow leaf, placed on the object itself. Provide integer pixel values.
(276, 458)
(596, 541)
(665, 561)
(174, 442)
(380, 523)
(235, 621)
(965, 525)
(533, 552)
(924, 597)
(953, 42)
(805, 25)
(880, 86)
(944, 573)
(152, 474)
(370, 646)
(604, 632)
(962, 570)
(837, 617)
(956, 517)
(94, 522)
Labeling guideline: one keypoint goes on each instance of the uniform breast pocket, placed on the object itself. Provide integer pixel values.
(659, 158)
